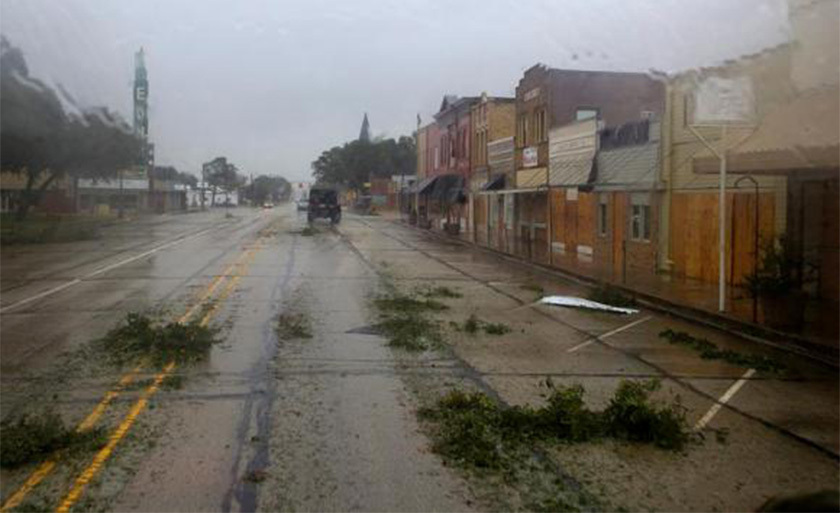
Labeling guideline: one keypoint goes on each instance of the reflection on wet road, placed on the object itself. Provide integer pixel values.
(324, 418)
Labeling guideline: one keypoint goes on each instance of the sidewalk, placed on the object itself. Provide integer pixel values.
(693, 299)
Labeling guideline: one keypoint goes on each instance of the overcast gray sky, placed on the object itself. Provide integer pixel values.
(271, 84)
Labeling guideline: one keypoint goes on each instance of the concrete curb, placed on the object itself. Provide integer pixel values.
(747, 331)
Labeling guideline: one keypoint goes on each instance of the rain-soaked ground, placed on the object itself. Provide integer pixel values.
(328, 422)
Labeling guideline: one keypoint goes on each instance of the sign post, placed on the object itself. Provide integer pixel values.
(722, 102)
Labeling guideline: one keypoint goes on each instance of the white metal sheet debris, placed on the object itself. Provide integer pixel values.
(576, 302)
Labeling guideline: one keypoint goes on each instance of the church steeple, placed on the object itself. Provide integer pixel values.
(364, 133)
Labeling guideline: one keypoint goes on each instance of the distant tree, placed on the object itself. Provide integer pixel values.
(171, 174)
(41, 142)
(267, 188)
(330, 167)
(222, 176)
(358, 161)
(187, 179)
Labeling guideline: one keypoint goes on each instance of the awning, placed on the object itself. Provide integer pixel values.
(801, 134)
(494, 184)
(633, 167)
(571, 170)
(448, 188)
(423, 186)
(571, 153)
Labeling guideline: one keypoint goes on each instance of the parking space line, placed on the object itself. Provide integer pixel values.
(609, 334)
(723, 400)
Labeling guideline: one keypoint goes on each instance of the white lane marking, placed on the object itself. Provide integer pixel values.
(723, 400)
(609, 334)
(99, 271)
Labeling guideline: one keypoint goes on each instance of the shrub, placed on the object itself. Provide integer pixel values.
(631, 416)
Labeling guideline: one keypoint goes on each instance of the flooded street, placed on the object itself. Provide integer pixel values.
(303, 406)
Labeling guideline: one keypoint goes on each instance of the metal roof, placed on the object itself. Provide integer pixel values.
(628, 167)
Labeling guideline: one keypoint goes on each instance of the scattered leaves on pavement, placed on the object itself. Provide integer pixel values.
(710, 351)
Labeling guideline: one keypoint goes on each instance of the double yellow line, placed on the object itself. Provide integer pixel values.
(232, 274)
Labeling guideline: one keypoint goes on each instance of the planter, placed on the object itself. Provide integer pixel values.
(784, 312)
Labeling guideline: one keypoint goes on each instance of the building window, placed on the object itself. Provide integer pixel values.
(539, 128)
(603, 220)
(640, 217)
(585, 113)
(543, 126)
(437, 157)
(522, 131)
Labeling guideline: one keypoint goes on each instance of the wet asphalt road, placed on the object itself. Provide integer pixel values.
(328, 423)
(325, 422)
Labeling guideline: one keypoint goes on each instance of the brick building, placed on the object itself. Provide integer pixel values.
(491, 126)
(558, 115)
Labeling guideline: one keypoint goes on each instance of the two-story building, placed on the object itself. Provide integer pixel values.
(569, 106)
(442, 196)
(491, 130)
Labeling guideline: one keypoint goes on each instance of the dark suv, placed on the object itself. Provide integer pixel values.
(323, 203)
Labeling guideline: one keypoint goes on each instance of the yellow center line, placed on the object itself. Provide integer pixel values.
(102, 456)
(115, 437)
(46, 468)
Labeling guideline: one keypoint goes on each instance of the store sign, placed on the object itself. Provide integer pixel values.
(530, 95)
(530, 156)
(724, 100)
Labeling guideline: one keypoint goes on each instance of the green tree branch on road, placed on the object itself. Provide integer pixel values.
(43, 143)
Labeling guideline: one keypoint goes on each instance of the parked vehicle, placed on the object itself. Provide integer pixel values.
(323, 203)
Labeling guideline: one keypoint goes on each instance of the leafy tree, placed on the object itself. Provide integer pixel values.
(224, 176)
(171, 174)
(356, 162)
(267, 188)
(41, 142)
